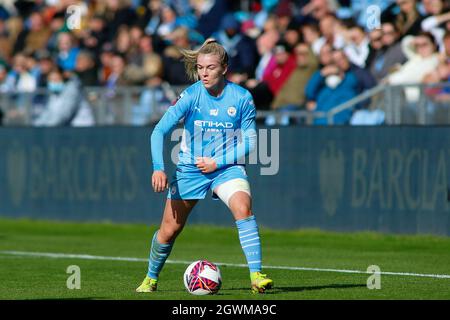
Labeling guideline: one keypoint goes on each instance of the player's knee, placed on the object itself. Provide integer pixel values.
(169, 233)
(242, 210)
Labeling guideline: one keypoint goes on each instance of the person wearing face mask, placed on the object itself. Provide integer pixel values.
(65, 105)
(328, 88)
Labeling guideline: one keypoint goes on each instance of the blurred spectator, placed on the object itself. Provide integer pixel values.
(357, 45)
(172, 58)
(441, 74)
(117, 78)
(6, 43)
(331, 29)
(144, 64)
(278, 70)
(164, 18)
(241, 49)
(122, 43)
(375, 45)
(438, 96)
(328, 88)
(422, 55)
(435, 23)
(67, 51)
(3, 76)
(45, 63)
(283, 12)
(183, 7)
(135, 33)
(95, 35)
(263, 14)
(117, 13)
(32, 65)
(105, 69)
(318, 9)
(292, 34)
(434, 7)
(66, 104)
(209, 13)
(293, 90)
(153, 16)
(407, 20)
(325, 55)
(271, 24)
(365, 80)
(86, 69)
(57, 25)
(117, 75)
(249, 29)
(390, 56)
(35, 37)
(19, 78)
(15, 25)
(445, 55)
(292, 94)
(265, 45)
(311, 35)
(168, 21)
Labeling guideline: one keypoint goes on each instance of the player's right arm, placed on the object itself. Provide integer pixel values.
(170, 119)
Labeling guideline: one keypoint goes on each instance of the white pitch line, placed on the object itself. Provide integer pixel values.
(130, 259)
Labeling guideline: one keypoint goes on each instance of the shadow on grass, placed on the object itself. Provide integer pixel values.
(69, 299)
(280, 289)
(328, 286)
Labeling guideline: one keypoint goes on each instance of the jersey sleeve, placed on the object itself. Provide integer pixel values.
(170, 119)
(247, 142)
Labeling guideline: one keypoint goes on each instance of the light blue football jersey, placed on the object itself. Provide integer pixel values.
(221, 127)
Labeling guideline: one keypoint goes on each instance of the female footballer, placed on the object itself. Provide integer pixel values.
(219, 129)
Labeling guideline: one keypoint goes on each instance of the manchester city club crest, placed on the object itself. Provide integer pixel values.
(16, 172)
(331, 173)
(231, 111)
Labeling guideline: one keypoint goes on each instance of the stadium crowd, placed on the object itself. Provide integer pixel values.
(291, 55)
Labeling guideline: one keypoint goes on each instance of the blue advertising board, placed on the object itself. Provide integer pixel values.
(386, 179)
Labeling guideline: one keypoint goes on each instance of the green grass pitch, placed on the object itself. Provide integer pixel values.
(39, 277)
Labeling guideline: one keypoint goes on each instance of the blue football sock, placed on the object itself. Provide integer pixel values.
(250, 242)
(158, 255)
